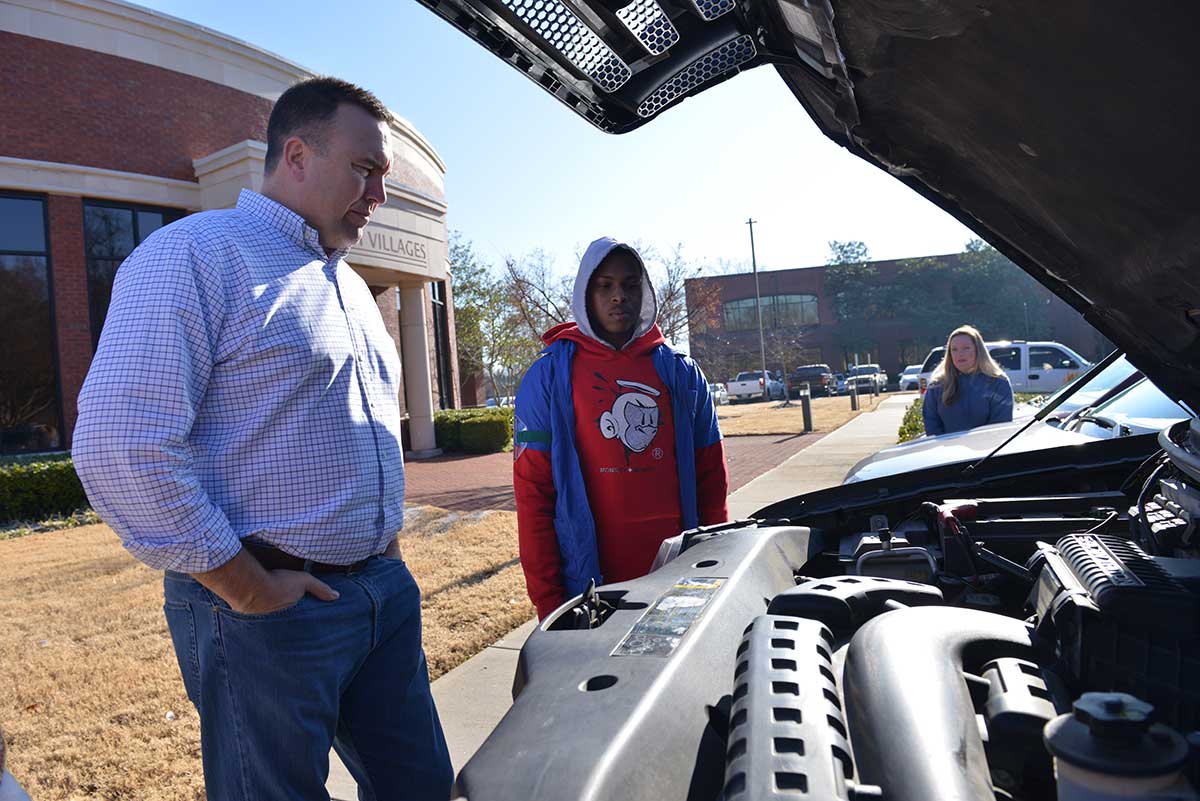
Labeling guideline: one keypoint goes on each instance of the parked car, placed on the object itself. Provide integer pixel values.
(1114, 402)
(1030, 366)
(720, 396)
(867, 378)
(749, 386)
(840, 378)
(949, 632)
(910, 378)
(819, 378)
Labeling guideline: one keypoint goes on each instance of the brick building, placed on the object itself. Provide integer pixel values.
(118, 120)
(801, 326)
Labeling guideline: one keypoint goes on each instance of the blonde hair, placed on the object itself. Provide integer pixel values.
(947, 374)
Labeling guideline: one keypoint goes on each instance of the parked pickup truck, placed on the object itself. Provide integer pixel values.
(749, 386)
(1030, 366)
(867, 378)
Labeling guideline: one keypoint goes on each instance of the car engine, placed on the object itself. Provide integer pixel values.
(1032, 647)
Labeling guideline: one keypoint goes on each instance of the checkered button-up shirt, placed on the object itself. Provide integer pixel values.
(244, 387)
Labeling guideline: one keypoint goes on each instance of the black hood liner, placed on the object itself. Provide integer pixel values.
(1066, 134)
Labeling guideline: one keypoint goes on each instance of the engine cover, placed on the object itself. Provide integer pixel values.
(1121, 622)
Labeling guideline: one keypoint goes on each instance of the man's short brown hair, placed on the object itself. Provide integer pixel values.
(308, 107)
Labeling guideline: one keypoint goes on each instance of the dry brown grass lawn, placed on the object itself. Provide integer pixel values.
(775, 418)
(88, 675)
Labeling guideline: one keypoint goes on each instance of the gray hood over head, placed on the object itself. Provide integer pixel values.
(595, 254)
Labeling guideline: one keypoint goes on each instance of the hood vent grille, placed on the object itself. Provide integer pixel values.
(718, 61)
(579, 44)
(646, 20)
(711, 9)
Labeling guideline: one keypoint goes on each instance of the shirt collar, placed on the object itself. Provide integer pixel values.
(284, 220)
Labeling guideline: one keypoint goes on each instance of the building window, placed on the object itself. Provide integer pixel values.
(30, 418)
(779, 311)
(110, 233)
(793, 310)
(441, 345)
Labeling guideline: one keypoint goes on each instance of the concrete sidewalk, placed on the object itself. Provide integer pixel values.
(826, 462)
(473, 697)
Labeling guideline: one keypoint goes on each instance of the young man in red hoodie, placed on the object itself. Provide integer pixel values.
(617, 444)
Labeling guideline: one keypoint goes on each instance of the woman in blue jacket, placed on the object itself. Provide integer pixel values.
(968, 388)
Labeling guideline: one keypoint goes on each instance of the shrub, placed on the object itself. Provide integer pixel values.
(447, 424)
(485, 434)
(37, 490)
(913, 425)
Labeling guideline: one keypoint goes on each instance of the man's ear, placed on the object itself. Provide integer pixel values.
(295, 158)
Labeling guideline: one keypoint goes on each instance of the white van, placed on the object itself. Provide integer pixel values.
(1031, 366)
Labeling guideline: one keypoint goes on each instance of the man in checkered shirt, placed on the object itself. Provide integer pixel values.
(240, 430)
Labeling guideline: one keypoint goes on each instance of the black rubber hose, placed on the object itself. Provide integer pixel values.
(912, 721)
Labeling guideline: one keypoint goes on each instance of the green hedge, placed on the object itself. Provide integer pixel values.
(485, 434)
(37, 490)
(448, 427)
(913, 425)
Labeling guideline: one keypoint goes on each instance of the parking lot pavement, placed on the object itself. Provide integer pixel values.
(468, 483)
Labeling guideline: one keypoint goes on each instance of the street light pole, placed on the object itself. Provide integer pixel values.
(762, 346)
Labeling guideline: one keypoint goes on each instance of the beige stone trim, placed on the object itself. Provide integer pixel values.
(72, 179)
(225, 173)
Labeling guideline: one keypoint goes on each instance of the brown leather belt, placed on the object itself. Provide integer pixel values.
(275, 559)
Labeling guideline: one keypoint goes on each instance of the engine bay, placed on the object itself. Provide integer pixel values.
(1032, 646)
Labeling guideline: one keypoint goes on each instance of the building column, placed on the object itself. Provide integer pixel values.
(418, 390)
(72, 322)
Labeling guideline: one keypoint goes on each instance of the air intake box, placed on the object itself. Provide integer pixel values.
(1121, 622)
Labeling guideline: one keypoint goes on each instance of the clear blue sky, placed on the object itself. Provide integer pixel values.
(523, 172)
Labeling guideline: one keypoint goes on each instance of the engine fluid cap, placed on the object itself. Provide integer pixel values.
(1111, 734)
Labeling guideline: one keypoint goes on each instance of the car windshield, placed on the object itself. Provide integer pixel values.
(748, 376)
(1094, 389)
(931, 361)
(865, 369)
(1143, 408)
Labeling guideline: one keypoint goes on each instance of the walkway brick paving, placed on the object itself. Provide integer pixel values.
(471, 483)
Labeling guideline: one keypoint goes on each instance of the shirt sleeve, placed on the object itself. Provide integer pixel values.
(533, 486)
(712, 484)
(131, 444)
(929, 411)
(712, 475)
(1000, 405)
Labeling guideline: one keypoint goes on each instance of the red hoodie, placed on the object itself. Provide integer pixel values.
(625, 439)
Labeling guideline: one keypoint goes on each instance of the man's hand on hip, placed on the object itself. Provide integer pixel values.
(251, 589)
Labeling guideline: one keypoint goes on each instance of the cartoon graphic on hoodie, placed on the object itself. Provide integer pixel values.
(617, 445)
(633, 418)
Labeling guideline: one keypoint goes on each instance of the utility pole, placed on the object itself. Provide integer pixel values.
(762, 345)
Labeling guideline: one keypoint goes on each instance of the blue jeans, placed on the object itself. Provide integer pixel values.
(275, 691)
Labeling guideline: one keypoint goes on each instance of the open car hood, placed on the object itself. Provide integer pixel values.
(1065, 134)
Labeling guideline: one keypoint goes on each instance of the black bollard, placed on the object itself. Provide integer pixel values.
(806, 408)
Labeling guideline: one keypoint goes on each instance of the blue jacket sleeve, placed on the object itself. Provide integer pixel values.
(705, 429)
(531, 409)
(1000, 405)
(929, 411)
